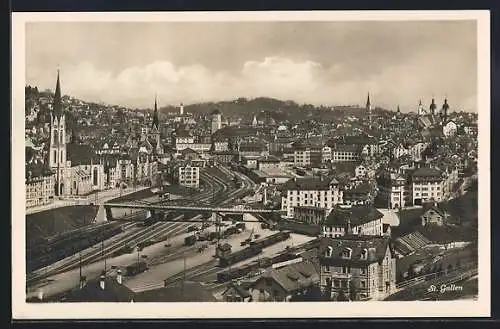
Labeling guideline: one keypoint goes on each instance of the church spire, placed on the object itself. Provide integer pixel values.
(57, 107)
(432, 107)
(156, 121)
(368, 104)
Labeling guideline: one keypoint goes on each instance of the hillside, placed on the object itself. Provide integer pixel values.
(266, 108)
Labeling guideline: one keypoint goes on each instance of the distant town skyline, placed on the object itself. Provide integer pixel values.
(322, 63)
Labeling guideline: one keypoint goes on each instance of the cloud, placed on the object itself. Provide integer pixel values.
(279, 77)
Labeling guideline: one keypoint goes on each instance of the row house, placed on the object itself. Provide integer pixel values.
(315, 191)
(353, 220)
(39, 186)
(357, 267)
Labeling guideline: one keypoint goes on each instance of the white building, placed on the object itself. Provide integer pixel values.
(426, 185)
(216, 121)
(188, 176)
(316, 192)
(450, 129)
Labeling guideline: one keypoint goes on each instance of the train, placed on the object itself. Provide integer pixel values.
(254, 249)
(270, 240)
(241, 271)
(52, 252)
(238, 256)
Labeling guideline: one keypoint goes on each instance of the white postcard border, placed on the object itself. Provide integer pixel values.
(23, 310)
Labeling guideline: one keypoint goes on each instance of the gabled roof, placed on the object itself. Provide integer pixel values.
(358, 215)
(376, 246)
(426, 172)
(309, 184)
(293, 277)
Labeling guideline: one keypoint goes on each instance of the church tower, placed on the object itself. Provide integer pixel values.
(444, 111)
(254, 121)
(420, 110)
(155, 129)
(57, 145)
(369, 109)
(433, 107)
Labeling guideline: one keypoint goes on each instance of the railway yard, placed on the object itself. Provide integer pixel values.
(167, 248)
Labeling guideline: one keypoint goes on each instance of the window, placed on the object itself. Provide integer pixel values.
(336, 283)
(346, 269)
(363, 270)
(329, 251)
(55, 156)
(346, 253)
(364, 254)
(362, 283)
(326, 268)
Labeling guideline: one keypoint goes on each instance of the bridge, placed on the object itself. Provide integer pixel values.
(188, 208)
(104, 213)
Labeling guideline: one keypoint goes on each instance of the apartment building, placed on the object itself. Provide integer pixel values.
(357, 267)
(188, 176)
(321, 192)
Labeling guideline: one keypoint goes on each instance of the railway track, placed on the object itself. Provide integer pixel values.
(92, 254)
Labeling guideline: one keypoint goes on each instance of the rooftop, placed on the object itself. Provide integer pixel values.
(358, 215)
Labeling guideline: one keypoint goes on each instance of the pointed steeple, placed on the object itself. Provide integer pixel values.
(57, 107)
(156, 121)
(433, 106)
(444, 110)
(368, 104)
(399, 111)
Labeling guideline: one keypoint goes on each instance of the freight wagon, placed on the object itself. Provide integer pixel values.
(238, 256)
(270, 240)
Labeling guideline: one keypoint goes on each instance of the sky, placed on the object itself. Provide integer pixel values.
(321, 63)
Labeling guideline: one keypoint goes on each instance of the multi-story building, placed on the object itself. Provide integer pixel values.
(357, 267)
(188, 176)
(216, 121)
(267, 162)
(317, 192)
(426, 185)
(310, 215)
(39, 186)
(393, 190)
(353, 220)
(450, 129)
(326, 154)
(346, 153)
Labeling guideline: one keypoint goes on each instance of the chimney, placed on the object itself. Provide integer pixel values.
(119, 277)
(102, 282)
